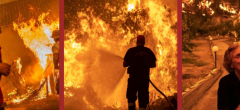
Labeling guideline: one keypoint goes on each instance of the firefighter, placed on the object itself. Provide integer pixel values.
(55, 50)
(139, 60)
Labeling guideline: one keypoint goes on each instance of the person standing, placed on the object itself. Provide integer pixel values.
(55, 50)
(139, 60)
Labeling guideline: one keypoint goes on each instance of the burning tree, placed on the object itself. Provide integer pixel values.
(98, 34)
(209, 17)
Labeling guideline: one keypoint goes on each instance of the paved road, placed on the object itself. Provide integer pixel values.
(209, 99)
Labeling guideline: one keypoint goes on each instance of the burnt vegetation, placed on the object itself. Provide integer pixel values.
(221, 22)
(112, 13)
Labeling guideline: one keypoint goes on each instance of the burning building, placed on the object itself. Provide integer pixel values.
(98, 34)
(26, 42)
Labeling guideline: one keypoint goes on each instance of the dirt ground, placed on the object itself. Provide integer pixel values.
(196, 64)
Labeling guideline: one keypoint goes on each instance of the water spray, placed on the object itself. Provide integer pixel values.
(172, 106)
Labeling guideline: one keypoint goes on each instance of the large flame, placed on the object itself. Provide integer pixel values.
(84, 48)
(36, 35)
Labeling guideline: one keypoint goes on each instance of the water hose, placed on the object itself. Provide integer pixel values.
(172, 106)
(162, 94)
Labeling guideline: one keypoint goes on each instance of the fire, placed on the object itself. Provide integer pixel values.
(88, 104)
(132, 4)
(19, 99)
(202, 5)
(36, 35)
(19, 65)
(226, 7)
(130, 7)
(85, 65)
(187, 2)
(206, 5)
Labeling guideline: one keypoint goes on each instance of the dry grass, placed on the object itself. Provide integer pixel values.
(197, 64)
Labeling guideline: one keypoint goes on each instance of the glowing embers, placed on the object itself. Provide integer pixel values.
(227, 7)
(189, 2)
(130, 7)
(205, 5)
(19, 66)
(133, 4)
(19, 98)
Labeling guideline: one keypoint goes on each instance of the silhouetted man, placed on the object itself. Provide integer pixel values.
(139, 59)
(55, 50)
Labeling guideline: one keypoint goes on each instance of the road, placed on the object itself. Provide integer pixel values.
(209, 99)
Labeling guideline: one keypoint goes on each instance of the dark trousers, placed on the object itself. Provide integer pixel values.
(138, 84)
(56, 61)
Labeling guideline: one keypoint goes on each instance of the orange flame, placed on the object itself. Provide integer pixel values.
(19, 65)
(133, 4)
(226, 7)
(80, 52)
(37, 38)
(36, 35)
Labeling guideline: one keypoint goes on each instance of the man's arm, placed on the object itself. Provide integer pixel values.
(125, 64)
(153, 65)
(4, 69)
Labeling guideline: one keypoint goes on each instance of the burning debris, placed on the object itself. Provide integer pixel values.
(209, 7)
(16, 78)
(38, 83)
(97, 38)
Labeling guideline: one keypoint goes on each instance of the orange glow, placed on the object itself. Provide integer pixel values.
(36, 35)
(206, 5)
(37, 38)
(19, 65)
(226, 7)
(86, 45)
(133, 4)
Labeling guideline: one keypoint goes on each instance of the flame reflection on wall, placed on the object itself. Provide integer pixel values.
(36, 35)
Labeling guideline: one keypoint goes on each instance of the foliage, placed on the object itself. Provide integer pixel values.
(193, 61)
(237, 28)
(194, 24)
(188, 32)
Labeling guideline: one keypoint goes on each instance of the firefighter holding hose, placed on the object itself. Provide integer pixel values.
(55, 50)
(139, 59)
